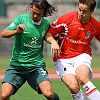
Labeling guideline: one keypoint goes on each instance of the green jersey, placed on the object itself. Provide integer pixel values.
(28, 45)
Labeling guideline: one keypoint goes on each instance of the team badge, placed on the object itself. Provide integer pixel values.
(87, 35)
(43, 33)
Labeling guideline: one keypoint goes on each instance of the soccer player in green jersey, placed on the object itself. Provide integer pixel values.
(27, 62)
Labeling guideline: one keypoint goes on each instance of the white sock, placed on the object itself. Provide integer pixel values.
(91, 91)
(79, 96)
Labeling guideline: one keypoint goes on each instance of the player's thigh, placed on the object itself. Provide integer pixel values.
(83, 67)
(7, 89)
(70, 80)
(36, 77)
(63, 67)
(66, 72)
(45, 87)
(14, 77)
(83, 74)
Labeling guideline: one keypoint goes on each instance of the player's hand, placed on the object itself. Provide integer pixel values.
(55, 49)
(20, 28)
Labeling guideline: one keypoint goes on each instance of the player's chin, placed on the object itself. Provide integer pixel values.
(80, 19)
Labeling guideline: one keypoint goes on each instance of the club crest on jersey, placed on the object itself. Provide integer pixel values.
(55, 21)
(87, 35)
(43, 33)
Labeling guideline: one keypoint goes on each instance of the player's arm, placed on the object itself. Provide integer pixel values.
(9, 33)
(55, 49)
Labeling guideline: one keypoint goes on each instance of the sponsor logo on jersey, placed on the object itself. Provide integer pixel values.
(25, 32)
(31, 45)
(81, 28)
(34, 40)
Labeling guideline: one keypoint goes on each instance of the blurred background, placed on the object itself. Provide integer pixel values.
(10, 9)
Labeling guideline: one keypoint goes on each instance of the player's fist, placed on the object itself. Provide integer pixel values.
(20, 28)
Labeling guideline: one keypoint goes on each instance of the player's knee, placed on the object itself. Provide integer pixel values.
(74, 89)
(83, 80)
(49, 94)
(5, 96)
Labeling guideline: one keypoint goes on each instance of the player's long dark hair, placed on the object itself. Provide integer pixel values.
(43, 4)
(91, 3)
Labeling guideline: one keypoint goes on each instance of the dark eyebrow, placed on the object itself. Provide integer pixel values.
(84, 10)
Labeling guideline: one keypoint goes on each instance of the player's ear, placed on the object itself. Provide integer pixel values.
(92, 11)
(31, 5)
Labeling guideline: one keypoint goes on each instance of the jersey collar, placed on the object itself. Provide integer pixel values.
(37, 23)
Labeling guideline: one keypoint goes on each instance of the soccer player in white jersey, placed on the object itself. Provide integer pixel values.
(73, 64)
(27, 62)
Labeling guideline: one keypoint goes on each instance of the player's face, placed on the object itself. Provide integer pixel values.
(84, 13)
(36, 13)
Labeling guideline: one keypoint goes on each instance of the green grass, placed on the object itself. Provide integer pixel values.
(96, 63)
(4, 63)
(27, 93)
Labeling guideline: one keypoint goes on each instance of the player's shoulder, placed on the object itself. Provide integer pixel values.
(45, 20)
(23, 15)
(69, 15)
(95, 22)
